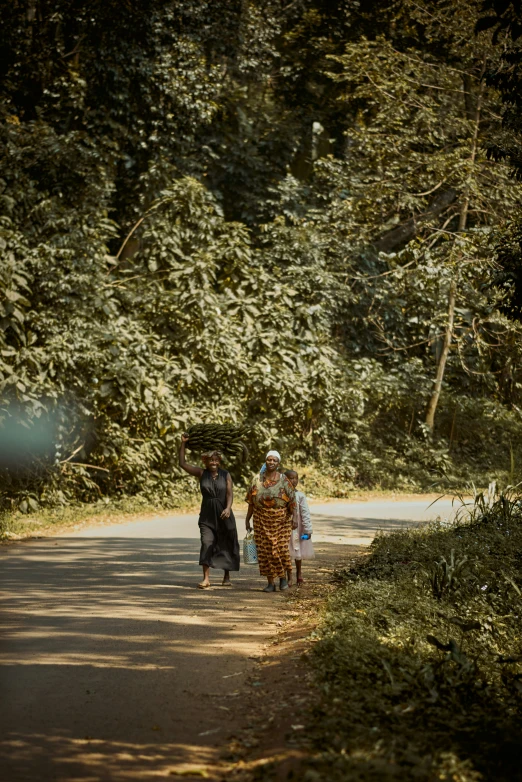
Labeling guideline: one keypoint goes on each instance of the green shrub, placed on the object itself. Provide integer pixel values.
(419, 658)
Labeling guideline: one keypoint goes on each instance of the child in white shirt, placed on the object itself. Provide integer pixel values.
(300, 549)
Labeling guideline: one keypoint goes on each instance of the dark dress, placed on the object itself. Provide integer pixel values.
(219, 543)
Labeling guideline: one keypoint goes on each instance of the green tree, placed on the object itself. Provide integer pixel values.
(272, 211)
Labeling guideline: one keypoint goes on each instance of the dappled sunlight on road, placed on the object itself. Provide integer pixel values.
(109, 648)
(88, 759)
(82, 613)
(114, 664)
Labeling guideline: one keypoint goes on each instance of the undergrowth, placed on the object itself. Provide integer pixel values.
(419, 658)
(40, 520)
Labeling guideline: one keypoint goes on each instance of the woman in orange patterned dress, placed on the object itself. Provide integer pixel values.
(271, 501)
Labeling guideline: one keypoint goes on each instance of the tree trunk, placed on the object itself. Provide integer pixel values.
(463, 220)
(432, 406)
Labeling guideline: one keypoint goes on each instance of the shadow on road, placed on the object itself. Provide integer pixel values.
(115, 666)
(110, 655)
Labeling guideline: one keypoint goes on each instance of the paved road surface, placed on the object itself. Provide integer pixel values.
(114, 667)
(355, 523)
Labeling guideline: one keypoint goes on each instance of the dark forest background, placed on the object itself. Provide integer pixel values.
(301, 214)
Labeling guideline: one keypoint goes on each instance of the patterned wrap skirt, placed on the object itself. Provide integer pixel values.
(272, 528)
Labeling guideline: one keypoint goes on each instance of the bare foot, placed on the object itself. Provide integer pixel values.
(289, 577)
(226, 582)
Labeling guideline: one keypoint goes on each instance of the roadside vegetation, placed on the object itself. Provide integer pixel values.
(419, 659)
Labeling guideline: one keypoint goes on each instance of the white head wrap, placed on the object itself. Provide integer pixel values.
(270, 453)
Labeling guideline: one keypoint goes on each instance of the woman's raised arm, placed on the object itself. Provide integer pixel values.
(190, 468)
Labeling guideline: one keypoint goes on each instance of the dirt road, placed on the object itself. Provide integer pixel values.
(114, 667)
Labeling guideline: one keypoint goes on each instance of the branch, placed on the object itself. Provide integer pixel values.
(137, 225)
(419, 61)
(416, 344)
(383, 274)
(458, 235)
(134, 228)
(428, 192)
(403, 233)
(463, 219)
(121, 283)
(73, 51)
(73, 454)
(90, 466)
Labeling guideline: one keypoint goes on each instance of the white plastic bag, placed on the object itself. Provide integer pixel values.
(249, 549)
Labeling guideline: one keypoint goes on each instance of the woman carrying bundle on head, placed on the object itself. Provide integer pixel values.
(217, 525)
(271, 501)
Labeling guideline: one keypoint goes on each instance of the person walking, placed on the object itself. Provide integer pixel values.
(217, 524)
(301, 546)
(271, 501)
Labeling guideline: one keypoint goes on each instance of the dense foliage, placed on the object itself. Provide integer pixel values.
(418, 659)
(285, 213)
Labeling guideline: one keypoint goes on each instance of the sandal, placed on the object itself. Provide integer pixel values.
(300, 581)
(201, 585)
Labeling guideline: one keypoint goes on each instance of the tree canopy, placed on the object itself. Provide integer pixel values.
(302, 215)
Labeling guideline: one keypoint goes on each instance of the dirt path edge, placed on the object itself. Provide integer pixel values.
(280, 694)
